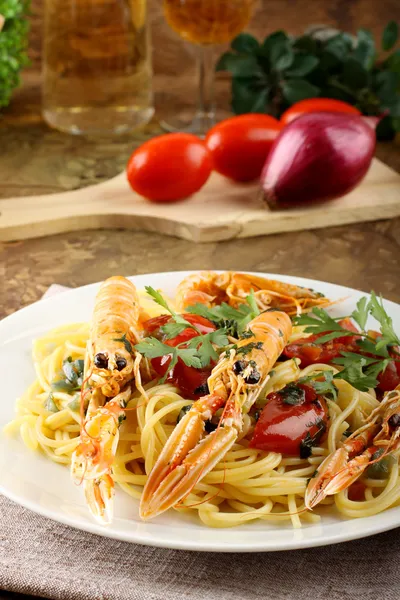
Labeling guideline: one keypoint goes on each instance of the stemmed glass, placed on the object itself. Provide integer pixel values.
(206, 23)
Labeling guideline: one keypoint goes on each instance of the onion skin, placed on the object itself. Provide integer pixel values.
(317, 158)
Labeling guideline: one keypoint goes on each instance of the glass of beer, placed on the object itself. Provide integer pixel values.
(206, 23)
(97, 75)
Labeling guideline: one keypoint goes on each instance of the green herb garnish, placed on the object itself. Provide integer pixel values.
(325, 387)
(50, 405)
(308, 443)
(178, 323)
(126, 342)
(249, 347)
(359, 370)
(292, 394)
(183, 412)
(197, 352)
(233, 320)
(270, 76)
(70, 377)
(380, 469)
(75, 404)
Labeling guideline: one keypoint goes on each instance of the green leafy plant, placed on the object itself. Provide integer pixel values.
(13, 45)
(269, 77)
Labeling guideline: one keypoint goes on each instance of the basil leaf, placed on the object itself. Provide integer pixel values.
(244, 95)
(393, 62)
(390, 35)
(354, 74)
(302, 65)
(295, 90)
(282, 57)
(306, 43)
(339, 46)
(274, 40)
(239, 65)
(365, 52)
(245, 43)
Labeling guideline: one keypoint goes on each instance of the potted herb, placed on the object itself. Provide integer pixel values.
(14, 29)
(269, 77)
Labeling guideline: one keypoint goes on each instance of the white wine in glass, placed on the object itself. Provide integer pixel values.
(206, 23)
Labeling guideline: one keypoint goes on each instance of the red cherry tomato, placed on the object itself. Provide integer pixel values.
(317, 105)
(291, 429)
(240, 145)
(310, 352)
(356, 491)
(187, 379)
(169, 167)
(390, 377)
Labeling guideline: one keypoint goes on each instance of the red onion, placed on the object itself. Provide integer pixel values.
(317, 157)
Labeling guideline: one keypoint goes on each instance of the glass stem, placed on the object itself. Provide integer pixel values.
(206, 100)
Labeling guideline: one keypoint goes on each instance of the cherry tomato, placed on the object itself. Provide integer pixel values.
(390, 377)
(310, 352)
(240, 145)
(169, 167)
(317, 105)
(191, 382)
(356, 491)
(291, 428)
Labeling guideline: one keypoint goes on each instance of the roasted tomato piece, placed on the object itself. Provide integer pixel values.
(292, 422)
(191, 382)
(310, 352)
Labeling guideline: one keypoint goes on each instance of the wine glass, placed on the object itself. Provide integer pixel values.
(206, 23)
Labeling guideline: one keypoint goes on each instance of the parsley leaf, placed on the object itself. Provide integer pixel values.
(319, 321)
(326, 387)
(252, 302)
(204, 345)
(179, 323)
(360, 314)
(151, 347)
(360, 371)
(386, 324)
(233, 320)
(197, 352)
(158, 298)
(369, 347)
(172, 329)
(323, 384)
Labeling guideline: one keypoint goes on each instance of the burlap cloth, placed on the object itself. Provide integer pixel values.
(43, 558)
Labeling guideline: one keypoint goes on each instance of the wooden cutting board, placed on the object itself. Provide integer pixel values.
(221, 210)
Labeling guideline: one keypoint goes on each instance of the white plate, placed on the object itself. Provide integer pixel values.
(45, 487)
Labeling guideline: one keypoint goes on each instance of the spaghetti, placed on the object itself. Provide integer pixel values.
(247, 484)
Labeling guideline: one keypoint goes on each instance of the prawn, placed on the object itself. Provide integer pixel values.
(110, 370)
(210, 288)
(379, 436)
(234, 384)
